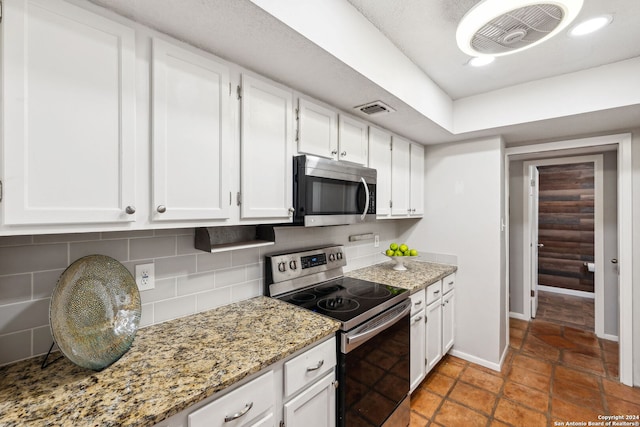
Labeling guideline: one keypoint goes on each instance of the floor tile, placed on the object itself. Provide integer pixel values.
(452, 415)
(526, 396)
(540, 366)
(449, 368)
(581, 361)
(574, 376)
(474, 375)
(530, 379)
(518, 324)
(584, 396)
(418, 420)
(622, 407)
(473, 397)
(566, 411)
(439, 384)
(517, 415)
(538, 348)
(424, 402)
(621, 391)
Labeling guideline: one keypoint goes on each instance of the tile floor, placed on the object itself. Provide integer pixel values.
(566, 310)
(552, 374)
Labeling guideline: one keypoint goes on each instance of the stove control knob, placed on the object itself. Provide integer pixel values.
(293, 265)
(339, 255)
(282, 267)
(332, 257)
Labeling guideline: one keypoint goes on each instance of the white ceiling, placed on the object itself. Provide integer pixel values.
(424, 31)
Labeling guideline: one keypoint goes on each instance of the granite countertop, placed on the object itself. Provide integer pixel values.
(169, 367)
(418, 275)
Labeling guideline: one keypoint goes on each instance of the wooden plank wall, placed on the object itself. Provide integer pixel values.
(566, 226)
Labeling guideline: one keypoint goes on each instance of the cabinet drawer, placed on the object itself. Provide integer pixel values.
(434, 291)
(254, 398)
(309, 366)
(417, 302)
(448, 283)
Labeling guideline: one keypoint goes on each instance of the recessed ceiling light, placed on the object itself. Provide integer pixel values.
(591, 25)
(480, 61)
(499, 27)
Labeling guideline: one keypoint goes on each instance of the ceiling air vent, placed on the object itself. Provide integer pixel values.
(498, 27)
(375, 108)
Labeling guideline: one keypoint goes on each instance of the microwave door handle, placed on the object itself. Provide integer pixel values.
(366, 200)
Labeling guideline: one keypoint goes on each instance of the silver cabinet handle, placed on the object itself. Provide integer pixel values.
(541, 245)
(315, 368)
(344, 153)
(418, 303)
(614, 261)
(247, 408)
(162, 209)
(419, 318)
(451, 283)
(436, 292)
(334, 152)
(130, 210)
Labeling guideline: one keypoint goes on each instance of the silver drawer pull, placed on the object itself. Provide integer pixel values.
(451, 283)
(419, 318)
(315, 368)
(436, 292)
(418, 303)
(237, 415)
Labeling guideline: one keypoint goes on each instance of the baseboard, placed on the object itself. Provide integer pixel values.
(519, 316)
(477, 360)
(563, 291)
(609, 337)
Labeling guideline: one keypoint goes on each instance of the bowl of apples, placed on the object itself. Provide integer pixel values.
(400, 254)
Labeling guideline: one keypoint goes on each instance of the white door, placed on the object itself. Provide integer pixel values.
(417, 360)
(533, 214)
(352, 140)
(266, 162)
(317, 130)
(401, 176)
(448, 321)
(417, 179)
(69, 115)
(433, 332)
(380, 160)
(314, 407)
(191, 135)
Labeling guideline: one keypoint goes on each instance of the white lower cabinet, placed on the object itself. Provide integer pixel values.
(298, 391)
(417, 365)
(448, 304)
(440, 328)
(433, 332)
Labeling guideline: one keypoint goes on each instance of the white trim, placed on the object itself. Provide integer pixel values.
(623, 142)
(610, 337)
(519, 316)
(563, 291)
(479, 361)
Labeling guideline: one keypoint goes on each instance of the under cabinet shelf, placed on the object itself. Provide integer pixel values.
(231, 238)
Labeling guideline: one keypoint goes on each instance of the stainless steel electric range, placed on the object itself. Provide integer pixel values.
(373, 341)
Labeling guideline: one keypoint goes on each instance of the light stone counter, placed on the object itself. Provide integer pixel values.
(418, 275)
(170, 367)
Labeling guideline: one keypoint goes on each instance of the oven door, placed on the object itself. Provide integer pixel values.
(373, 369)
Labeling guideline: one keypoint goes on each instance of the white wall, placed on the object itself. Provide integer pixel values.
(463, 199)
(636, 253)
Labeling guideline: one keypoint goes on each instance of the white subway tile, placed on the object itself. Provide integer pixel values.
(164, 289)
(245, 291)
(174, 308)
(186, 245)
(175, 232)
(230, 276)
(24, 315)
(152, 247)
(15, 347)
(41, 340)
(15, 288)
(25, 259)
(212, 299)
(146, 315)
(126, 234)
(45, 282)
(15, 240)
(117, 249)
(208, 262)
(195, 283)
(255, 271)
(63, 238)
(245, 256)
(175, 266)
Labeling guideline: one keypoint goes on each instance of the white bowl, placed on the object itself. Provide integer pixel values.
(400, 260)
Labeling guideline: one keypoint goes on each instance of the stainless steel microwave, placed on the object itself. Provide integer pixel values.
(329, 192)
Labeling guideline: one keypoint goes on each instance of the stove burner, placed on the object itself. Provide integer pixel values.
(303, 297)
(338, 304)
(326, 289)
(369, 292)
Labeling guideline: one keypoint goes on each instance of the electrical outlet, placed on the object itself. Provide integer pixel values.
(145, 276)
(376, 241)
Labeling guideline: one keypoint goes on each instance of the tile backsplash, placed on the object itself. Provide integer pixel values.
(187, 280)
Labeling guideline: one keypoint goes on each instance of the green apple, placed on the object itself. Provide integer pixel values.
(393, 247)
(405, 253)
(389, 252)
(397, 253)
(413, 252)
(404, 247)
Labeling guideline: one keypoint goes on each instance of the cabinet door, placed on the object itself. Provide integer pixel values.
(380, 159)
(317, 130)
(434, 333)
(400, 179)
(191, 135)
(417, 179)
(352, 140)
(314, 407)
(265, 152)
(417, 363)
(448, 322)
(69, 115)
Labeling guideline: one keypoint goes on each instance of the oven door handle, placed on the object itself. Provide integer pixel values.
(366, 200)
(387, 320)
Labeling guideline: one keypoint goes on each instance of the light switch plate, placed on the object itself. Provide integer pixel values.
(145, 276)
(376, 240)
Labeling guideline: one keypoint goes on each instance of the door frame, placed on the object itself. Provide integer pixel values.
(621, 142)
(598, 229)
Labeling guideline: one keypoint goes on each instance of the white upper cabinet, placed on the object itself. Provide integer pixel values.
(317, 130)
(352, 140)
(266, 151)
(401, 175)
(69, 115)
(191, 143)
(380, 159)
(417, 179)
